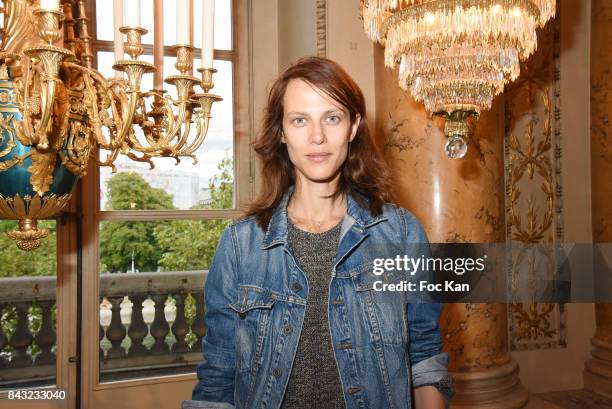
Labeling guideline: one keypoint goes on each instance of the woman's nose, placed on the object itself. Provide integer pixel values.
(317, 134)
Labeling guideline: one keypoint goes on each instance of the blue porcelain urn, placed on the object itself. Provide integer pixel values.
(35, 183)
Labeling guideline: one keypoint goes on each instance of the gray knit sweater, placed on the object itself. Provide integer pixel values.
(314, 381)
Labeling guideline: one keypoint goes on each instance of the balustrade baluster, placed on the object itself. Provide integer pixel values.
(106, 315)
(22, 337)
(101, 337)
(180, 328)
(45, 338)
(138, 328)
(126, 320)
(159, 328)
(198, 322)
(116, 331)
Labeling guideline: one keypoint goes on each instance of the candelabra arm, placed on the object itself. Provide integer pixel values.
(184, 136)
(173, 131)
(202, 124)
(89, 76)
(47, 59)
(134, 69)
(205, 102)
(47, 99)
(184, 86)
(45, 63)
(27, 105)
(128, 116)
(174, 122)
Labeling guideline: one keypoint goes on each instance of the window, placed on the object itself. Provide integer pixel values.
(188, 185)
(152, 233)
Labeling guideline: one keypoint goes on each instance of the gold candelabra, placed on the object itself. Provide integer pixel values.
(56, 109)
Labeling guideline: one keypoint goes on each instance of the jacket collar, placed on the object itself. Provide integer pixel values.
(357, 216)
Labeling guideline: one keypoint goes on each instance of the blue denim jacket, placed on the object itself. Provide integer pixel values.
(256, 295)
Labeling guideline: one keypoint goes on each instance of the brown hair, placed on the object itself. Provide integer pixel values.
(363, 173)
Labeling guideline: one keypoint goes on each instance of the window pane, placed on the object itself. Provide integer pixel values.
(223, 22)
(105, 23)
(27, 310)
(209, 183)
(152, 315)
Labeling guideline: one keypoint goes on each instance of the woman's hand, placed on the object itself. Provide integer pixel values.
(428, 397)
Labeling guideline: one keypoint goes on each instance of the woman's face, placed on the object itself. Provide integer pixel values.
(317, 130)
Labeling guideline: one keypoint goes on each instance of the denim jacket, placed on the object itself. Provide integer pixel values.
(385, 342)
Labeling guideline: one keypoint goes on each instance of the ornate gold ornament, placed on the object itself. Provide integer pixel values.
(456, 55)
(533, 323)
(534, 191)
(25, 209)
(56, 110)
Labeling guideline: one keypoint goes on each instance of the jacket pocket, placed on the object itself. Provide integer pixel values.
(384, 310)
(253, 308)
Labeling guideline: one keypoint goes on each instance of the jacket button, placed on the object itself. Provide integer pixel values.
(276, 372)
(296, 287)
(287, 329)
(354, 389)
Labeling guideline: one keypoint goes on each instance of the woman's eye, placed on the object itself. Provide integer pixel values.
(333, 119)
(299, 121)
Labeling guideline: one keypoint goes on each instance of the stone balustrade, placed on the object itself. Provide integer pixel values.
(151, 324)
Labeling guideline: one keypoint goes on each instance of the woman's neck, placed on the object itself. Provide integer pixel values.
(311, 210)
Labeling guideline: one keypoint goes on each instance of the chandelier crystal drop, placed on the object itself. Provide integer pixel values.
(455, 55)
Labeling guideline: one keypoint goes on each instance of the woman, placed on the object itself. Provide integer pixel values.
(294, 315)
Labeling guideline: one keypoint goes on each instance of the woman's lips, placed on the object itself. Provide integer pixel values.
(318, 157)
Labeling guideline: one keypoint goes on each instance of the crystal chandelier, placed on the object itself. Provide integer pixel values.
(56, 110)
(455, 55)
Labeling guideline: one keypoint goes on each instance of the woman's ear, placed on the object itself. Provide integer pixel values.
(354, 127)
(282, 138)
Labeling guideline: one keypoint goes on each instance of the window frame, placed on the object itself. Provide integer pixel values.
(243, 170)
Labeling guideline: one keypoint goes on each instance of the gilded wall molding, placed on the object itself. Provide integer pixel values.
(321, 13)
(534, 207)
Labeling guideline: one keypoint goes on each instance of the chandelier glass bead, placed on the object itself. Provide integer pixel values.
(455, 56)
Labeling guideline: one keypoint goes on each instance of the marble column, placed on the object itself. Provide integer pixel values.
(598, 369)
(456, 201)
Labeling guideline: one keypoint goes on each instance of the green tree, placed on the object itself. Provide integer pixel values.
(122, 241)
(190, 245)
(222, 185)
(129, 191)
(15, 262)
